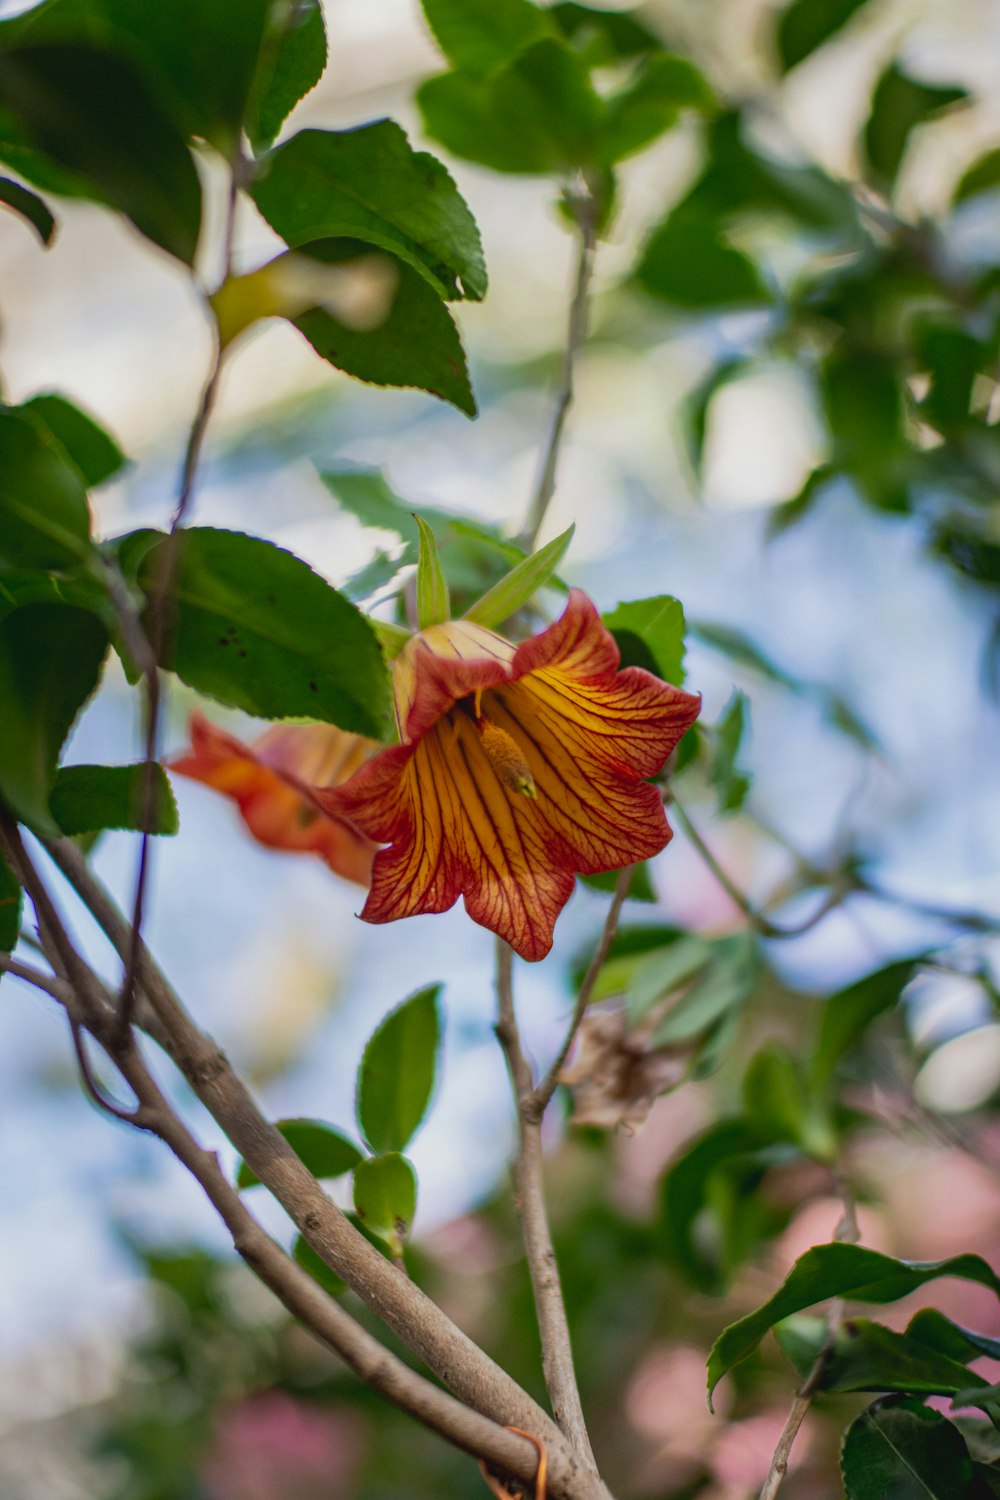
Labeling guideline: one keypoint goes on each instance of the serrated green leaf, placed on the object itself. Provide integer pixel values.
(50, 661)
(31, 208)
(44, 516)
(94, 113)
(433, 602)
(688, 264)
(848, 1013)
(650, 634)
(902, 1448)
(521, 583)
(369, 184)
(255, 627)
(805, 25)
(837, 1270)
(651, 103)
(325, 1151)
(397, 1072)
(385, 1198)
(87, 798)
(291, 64)
(480, 35)
(94, 452)
(899, 105)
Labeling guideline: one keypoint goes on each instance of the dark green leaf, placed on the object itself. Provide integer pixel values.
(87, 798)
(863, 406)
(538, 114)
(619, 35)
(698, 404)
(640, 887)
(774, 1097)
(291, 64)
(849, 1013)
(687, 264)
(10, 909)
(325, 1151)
(807, 24)
(50, 662)
(480, 35)
(731, 783)
(982, 177)
(903, 1449)
(44, 517)
(94, 452)
(417, 345)
(385, 1198)
(866, 1356)
(396, 1076)
(837, 1271)
(650, 634)
(256, 628)
(953, 358)
(31, 208)
(899, 104)
(94, 114)
(651, 103)
(938, 1332)
(369, 184)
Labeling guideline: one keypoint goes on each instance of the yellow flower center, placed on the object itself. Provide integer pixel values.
(506, 757)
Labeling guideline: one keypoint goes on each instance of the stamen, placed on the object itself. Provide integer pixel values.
(506, 757)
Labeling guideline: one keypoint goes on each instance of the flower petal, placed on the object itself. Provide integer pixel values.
(440, 665)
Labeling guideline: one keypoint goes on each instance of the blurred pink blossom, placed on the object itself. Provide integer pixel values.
(270, 1446)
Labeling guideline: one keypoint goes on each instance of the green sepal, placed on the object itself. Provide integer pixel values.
(521, 583)
(433, 599)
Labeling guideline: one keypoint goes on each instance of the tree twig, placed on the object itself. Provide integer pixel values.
(529, 1193)
(576, 332)
(57, 988)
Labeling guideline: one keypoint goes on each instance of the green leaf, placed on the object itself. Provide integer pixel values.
(640, 887)
(900, 1447)
(837, 1271)
(94, 114)
(417, 345)
(867, 1356)
(256, 628)
(433, 602)
(849, 1013)
(932, 1328)
(44, 516)
(953, 358)
(325, 1151)
(396, 1076)
(291, 64)
(805, 25)
(369, 184)
(480, 35)
(899, 105)
(774, 1096)
(31, 208)
(652, 103)
(697, 405)
(537, 115)
(385, 1198)
(650, 634)
(315, 1265)
(649, 977)
(863, 407)
(688, 264)
(982, 177)
(50, 662)
(731, 783)
(604, 36)
(10, 909)
(87, 798)
(722, 987)
(521, 583)
(94, 452)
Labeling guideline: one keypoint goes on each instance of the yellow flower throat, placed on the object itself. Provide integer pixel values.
(501, 750)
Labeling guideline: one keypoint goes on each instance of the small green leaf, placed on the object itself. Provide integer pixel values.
(10, 909)
(900, 1447)
(385, 1198)
(31, 208)
(87, 798)
(94, 452)
(899, 105)
(805, 25)
(480, 35)
(650, 634)
(396, 1076)
(731, 783)
(50, 661)
(94, 114)
(325, 1151)
(651, 103)
(433, 603)
(255, 627)
(688, 264)
(932, 1328)
(604, 36)
(982, 177)
(640, 886)
(291, 64)
(369, 184)
(849, 1013)
(837, 1270)
(722, 987)
(521, 583)
(774, 1095)
(44, 516)
(866, 1356)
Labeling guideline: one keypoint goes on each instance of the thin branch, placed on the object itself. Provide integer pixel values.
(539, 1099)
(529, 1194)
(576, 332)
(91, 1086)
(57, 988)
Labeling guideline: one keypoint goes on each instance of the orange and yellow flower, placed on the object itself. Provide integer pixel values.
(518, 767)
(274, 783)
